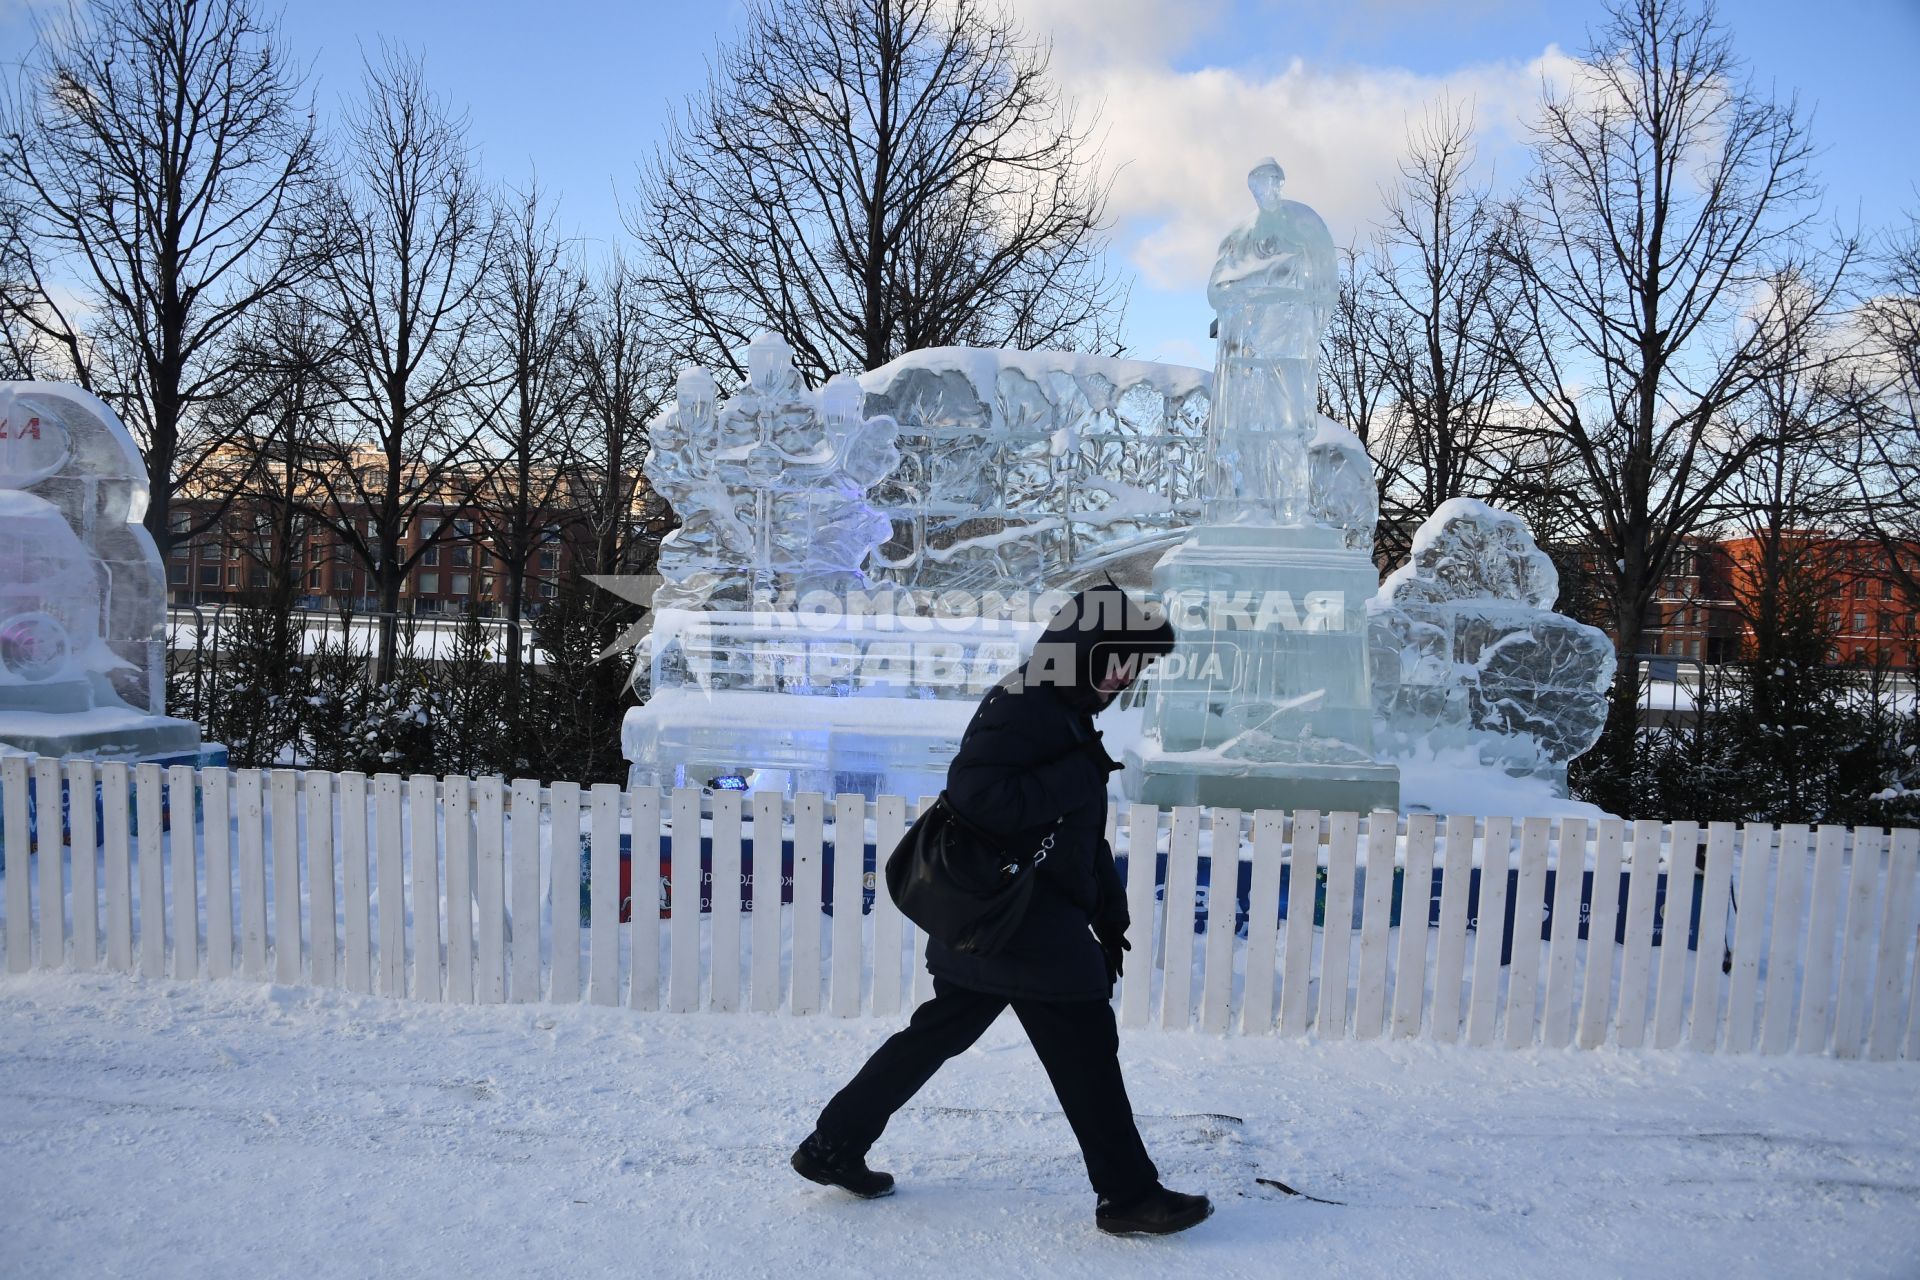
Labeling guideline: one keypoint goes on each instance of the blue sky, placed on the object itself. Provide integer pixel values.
(1192, 91)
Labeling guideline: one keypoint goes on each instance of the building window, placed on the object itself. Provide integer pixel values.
(313, 580)
(549, 561)
(209, 575)
(430, 557)
(177, 574)
(462, 557)
(429, 584)
(460, 584)
(463, 527)
(233, 576)
(1859, 622)
(209, 551)
(548, 591)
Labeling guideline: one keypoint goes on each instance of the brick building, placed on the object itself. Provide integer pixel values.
(1696, 614)
(453, 571)
(1693, 614)
(1873, 621)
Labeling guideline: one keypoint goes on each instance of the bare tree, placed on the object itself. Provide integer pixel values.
(1666, 195)
(532, 308)
(868, 177)
(625, 379)
(165, 178)
(295, 383)
(421, 385)
(1439, 329)
(1882, 457)
(1355, 391)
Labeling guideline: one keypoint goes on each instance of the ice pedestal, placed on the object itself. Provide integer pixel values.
(1266, 702)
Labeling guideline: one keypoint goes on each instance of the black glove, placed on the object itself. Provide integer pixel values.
(1113, 941)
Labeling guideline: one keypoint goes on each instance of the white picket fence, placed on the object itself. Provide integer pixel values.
(344, 880)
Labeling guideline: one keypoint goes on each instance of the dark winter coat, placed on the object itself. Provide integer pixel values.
(1030, 765)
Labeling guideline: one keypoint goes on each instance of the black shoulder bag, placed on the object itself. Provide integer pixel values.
(960, 882)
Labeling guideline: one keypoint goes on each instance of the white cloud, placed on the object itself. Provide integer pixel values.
(1181, 141)
(1097, 33)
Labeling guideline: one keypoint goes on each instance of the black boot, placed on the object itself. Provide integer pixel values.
(831, 1166)
(1160, 1212)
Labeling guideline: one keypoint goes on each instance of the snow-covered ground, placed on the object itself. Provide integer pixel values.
(157, 1128)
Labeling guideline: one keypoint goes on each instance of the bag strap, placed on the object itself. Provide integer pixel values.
(998, 843)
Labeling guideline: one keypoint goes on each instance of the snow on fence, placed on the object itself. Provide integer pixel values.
(1784, 939)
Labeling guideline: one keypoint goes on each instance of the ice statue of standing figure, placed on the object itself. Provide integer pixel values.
(1267, 703)
(1274, 287)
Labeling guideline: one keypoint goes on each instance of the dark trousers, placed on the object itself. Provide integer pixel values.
(1078, 1045)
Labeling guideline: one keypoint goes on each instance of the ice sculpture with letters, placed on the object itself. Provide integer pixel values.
(1469, 655)
(82, 591)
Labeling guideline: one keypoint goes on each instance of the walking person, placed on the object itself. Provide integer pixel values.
(1031, 763)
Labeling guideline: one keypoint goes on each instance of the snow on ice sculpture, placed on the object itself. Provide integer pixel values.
(1341, 490)
(771, 486)
(82, 590)
(1467, 652)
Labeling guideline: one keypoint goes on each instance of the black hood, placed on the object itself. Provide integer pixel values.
(1099, 631)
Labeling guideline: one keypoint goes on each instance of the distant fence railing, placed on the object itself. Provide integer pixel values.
(1782, 939)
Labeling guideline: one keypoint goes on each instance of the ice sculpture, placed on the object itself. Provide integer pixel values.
(1468, 654)
(1273, 287)
(1267, 701)
(770, 486)
(82, 590)
(999, 476)
(1018, 471)
(1342, 494)
(1026, 469)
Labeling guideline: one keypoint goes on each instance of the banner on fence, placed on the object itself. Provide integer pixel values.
(1243, 888)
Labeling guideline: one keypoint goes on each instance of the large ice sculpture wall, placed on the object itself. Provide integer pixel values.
(1018, 468)
(995, 477)
(82, 591)
(1468, 653)
(1016, 471)
(771, 486)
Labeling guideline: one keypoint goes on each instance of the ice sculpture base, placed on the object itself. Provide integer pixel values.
(103, 733)
(1167, 778)
(872, 746)
(1268, 689)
